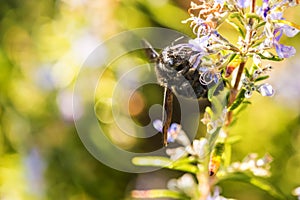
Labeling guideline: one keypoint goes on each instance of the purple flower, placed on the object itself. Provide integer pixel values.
(266, 90)
(264, 9)
(243, 3)
(272, 9)
(157, 124)
(200, 43)
(175, 133)
(286, 29)
(216, 195)
(220, 1)
(199, 26)
(289, 31)
(284, 51)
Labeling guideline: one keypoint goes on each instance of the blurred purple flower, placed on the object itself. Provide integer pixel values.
(34, 170)
(173, 130)
(289, 30)
(175, 133)
(220, 1)
(266, 90)
(273, 9)
(284, 51)
(157, 124)
(243, 3)
(216, 195)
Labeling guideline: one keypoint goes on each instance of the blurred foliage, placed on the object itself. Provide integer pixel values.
(42, 46)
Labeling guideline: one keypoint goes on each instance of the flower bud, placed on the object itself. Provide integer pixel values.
(266, 90)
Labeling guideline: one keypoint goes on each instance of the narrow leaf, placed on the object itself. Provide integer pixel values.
(234, 25)
(185, 168)
(155, 161)
(238, 101)
(288, 23)
(253, 15)
(255, 181)
(233, 139)
(262, 78)
(232, 57)
(227, 154)
(247, 73)
(212, 91)
(260, 25)
(186, 160)
(212, 138)
(158, 193)
(270, 57)
(238, 16)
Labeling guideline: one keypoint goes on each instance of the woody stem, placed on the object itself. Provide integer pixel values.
(235, 89)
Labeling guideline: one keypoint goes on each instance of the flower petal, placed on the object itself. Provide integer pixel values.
(266, 90)
(284, 51)
(290, 31)
(243, 3)
(157, 124)
(173, 132)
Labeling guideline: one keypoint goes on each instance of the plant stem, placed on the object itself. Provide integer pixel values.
(234, 91)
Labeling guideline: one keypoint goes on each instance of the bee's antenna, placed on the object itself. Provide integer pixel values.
(150, 52)
(180, 38)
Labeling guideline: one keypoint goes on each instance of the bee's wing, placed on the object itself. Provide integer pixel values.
(168, 108)
(150, 52)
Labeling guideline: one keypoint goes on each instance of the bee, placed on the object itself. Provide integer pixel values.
(178, 69)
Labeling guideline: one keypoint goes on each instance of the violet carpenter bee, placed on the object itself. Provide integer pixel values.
(178, 69)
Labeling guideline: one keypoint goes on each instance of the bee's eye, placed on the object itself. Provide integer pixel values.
(170, 61)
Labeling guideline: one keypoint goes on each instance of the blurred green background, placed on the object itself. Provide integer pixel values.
(42, 46)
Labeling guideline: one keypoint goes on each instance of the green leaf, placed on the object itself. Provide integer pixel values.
(238, 16)
(237, 27)
(239, 99)
(260, 25)
(227, 154)
(255, 181)
(253, 15)
(158, 161)
(158, 193)
(185, 168)
(232, 57)
(212, 138)
(247, 73)
(212, 91)
(233, 139)
(242, 107)
(261, 78)
(270, 57)
(186, 160)
(287, 23)
(155, 161)
(235, 15)
(227, 62)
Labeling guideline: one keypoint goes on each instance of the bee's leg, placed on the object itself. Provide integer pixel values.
(185, 69)
(196, 77)
(168, 108)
